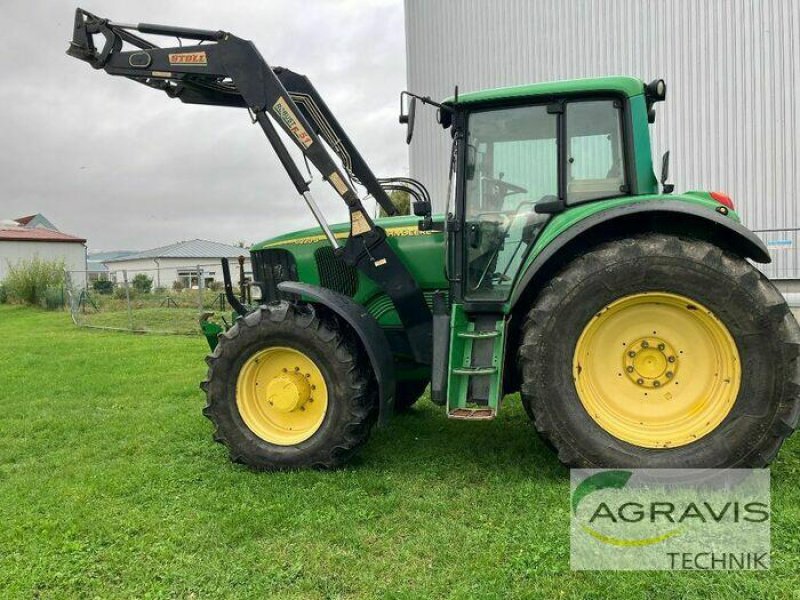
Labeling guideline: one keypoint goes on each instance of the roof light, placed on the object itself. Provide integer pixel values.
(723, 199)
(656, 90)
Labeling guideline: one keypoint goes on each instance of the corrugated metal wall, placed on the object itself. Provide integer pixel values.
(732, 116)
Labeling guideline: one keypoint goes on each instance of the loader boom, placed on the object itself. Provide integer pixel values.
(224, 70)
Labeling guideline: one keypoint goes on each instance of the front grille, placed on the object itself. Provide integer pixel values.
(270, 267)
(334, 274)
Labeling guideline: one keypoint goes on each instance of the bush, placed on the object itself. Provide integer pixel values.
(103, 286)
(119, 292)
(3, 295)
(53, 298)
(142, 283)
(177, 285)
(28, 279)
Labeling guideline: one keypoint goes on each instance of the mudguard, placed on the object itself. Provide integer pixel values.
(740, 238)
(369, 333)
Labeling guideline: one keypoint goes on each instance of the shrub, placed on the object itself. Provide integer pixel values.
(3, 295)
(53, 298)
(103, 286)
(119, 292)
(177, 285)
(28, 279)
(142, 283)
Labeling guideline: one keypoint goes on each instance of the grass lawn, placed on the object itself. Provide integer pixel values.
(170, 320)
(110, 487)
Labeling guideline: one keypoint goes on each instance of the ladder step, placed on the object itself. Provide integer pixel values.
(478, 335)
(472, 414)
(475, 370)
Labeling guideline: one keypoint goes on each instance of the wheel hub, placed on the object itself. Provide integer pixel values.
(281, 395)
(656, 370)
(650, 362)
(288, 391)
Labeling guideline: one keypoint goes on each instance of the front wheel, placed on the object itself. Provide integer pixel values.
(663, 352)
(289, 388)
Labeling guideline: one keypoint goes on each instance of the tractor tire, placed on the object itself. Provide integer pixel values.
(407, 393)
(289, 387)
(661, 352)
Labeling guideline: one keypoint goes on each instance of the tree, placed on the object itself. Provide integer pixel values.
(142, 283)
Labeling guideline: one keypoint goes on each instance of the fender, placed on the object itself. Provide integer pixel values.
(740, 238)
(369, 333)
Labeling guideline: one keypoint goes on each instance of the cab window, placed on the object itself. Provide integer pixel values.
(595, 160)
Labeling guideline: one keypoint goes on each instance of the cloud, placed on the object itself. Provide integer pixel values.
(127, 167)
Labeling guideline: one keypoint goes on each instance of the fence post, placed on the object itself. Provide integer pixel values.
(128, 298)
(199, 289)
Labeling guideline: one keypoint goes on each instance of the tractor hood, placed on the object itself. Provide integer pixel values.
(394, 227)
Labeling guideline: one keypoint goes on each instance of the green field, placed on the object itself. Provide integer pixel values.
(110, 487)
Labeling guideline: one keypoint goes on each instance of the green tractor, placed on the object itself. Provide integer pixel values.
(628, 317)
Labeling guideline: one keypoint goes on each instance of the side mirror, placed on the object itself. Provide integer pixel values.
(408, 118)
(422, 209)
(666, 187)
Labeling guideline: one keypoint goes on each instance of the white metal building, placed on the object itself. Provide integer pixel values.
(192, 263)
(732, 115)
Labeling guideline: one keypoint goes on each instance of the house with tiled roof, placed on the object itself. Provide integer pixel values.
(37, 220)
(190, 263)
(27, 237)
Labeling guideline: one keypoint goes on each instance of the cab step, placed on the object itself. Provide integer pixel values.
(475, 370)
(474, 386)
(478, 335)
(473, 414)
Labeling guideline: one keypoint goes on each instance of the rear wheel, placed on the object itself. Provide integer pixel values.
(287, 388)
(661, 352)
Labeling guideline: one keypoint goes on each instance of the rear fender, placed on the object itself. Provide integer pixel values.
(668, 216)
(369, 333)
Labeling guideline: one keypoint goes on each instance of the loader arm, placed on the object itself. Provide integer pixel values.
(224, 70)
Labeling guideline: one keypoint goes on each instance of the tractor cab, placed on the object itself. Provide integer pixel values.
(520, 157)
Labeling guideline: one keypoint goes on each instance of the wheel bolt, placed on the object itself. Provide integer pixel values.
(645, 344)
(629, 369)
(669, 374)
(631, 353)
(656, 383)
(661, 346)
(671, 359)
(640, 381)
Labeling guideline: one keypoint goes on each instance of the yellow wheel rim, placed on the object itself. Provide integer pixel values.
(281, 396)
(656, 370)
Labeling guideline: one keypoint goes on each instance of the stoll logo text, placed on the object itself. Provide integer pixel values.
(642, 519)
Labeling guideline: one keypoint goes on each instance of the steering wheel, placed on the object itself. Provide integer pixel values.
(504, 188)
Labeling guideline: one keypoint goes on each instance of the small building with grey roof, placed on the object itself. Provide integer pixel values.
(190, 263)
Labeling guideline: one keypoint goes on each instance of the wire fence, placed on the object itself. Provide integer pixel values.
(168, 300)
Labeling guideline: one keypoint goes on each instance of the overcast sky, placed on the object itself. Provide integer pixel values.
(129, 168)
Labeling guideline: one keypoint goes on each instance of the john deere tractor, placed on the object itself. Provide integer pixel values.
(628, 317)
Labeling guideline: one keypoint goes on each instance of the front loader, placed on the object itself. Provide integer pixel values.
(628, 317)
